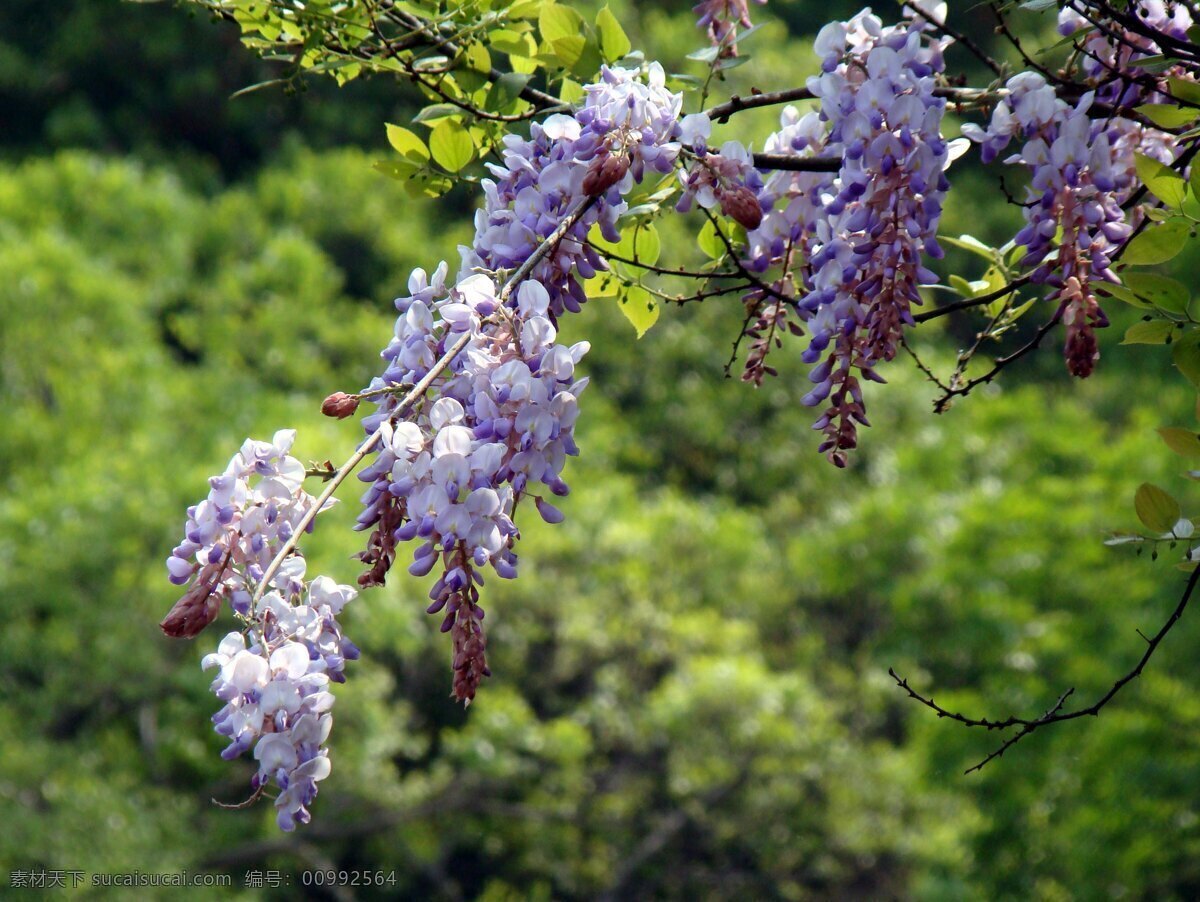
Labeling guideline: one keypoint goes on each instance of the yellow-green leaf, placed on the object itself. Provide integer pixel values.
(614, 43)
(451, 145)
(1167, 294)
(1167, 115)
(1181, 441)
(1155, 332)
(556, 22)
(710, 242)
(1165, 184)
(1185, 354)
(1157, 244)
(640, 308)
(1157, 510)
(407, 143)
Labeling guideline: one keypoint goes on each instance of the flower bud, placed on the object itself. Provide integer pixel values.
(740, 205)
(197, 608)
(604, 172)
(339, 405)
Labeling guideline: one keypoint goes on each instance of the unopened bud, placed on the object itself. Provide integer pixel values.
(740, 205)
(605, 172)
(339, 405)
(197, 608)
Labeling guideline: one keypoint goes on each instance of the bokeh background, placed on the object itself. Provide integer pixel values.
(690, 696)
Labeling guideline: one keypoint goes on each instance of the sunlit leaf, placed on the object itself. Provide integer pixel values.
(1157, 510)
(639, 307)
(451, 146)
(1157, 244)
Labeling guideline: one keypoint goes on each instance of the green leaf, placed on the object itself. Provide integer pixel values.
(1121, 293)
(1167, 115)
(401, 169)
(1157, 244)
(1186, 90)
(438, 111)
(972, 244)
(451, 145)
(569, 50)
(556, 22)
(424, 185)
(407, 143)
(710, 242)
(646, 243)
(1157, 510)
(478, 58)
(1185, 354)
(1155, 332)
(508, 87)
(1167, 185)
(1181, 441)
(511, 42)
(614, 43)
(1168, 294)
(640, 308)
(962, 286)
(571, 91)
(638, 242)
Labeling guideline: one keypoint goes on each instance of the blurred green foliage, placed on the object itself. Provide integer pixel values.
(690, 695)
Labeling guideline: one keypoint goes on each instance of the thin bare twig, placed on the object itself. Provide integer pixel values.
(1055, 714)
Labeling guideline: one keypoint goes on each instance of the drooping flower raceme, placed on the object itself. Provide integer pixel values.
(251, 510)
(496, 426)
(276, 692)
(857, 236)
(1082, 172)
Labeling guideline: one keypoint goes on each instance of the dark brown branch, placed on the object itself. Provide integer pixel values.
(958, 36)
(942, 404)
(795, 163)
(968, 303)
(1055, 714)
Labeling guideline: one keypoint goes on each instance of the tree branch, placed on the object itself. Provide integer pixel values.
(1055, 714)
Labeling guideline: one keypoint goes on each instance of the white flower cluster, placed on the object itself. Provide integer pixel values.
(252, 509)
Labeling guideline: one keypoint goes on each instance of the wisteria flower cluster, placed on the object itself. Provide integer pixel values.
(275, 690)
(1082, 172)
(497, 426)
(628, 125)
(231, 536)
(857, 236)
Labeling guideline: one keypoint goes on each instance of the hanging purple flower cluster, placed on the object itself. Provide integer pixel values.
(628, 124)
(496, 426)
(851, 242)
(230, 537)
(1082, 172)
(274, 690)
(1112, 54)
